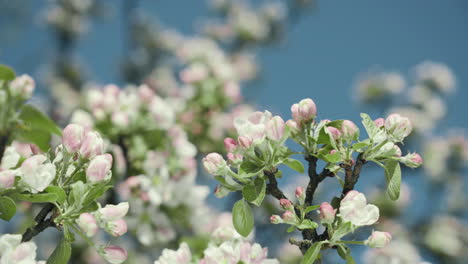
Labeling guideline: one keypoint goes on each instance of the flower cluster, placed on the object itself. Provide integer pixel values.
(227, 250)
(12, 250)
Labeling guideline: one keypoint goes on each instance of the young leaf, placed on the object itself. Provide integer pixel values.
(61, 254)
(307, 224)
(7, 208)
(312, 253)
(242, 217)
(393, 177)
(294, 164)
(35, 198)
(369, 125)
(36, 120)
(255, 193)
(311, 208)
(61, 195)
(6, 73)
(333, 158)
(291, 229)
(342, 230)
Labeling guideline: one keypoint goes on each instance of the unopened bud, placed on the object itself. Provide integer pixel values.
(304, 111)
(114, 254)
(73, 136)
(87, 223)
(327, 213)
(378, 239)
(286, 204)
(214, 164)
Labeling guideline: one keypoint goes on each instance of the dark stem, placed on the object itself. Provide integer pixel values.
(352, 174)
(272, 186)
(41, 223)
(3, 144)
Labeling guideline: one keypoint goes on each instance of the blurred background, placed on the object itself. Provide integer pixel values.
(348, 56)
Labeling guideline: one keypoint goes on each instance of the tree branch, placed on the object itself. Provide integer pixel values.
(41, 223)
(352, 174)
(272, 186)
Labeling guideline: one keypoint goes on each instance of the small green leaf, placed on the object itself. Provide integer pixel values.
(294, 164)
(360, 145)
(242, 218)
(312, 253)
(291, 229)
(333, 158)
(6, 73)
(61, 254)
(307, 224)
(393, 177)
(311, 208)
(349, 259)
(7, 208)
(36, 198)
(36, 120)
(255, 193)
(342, 230)
(343, 251)
(62, 196)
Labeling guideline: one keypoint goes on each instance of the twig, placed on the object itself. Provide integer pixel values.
(41, 223)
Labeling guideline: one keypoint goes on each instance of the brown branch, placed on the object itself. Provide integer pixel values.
(272, 186)
(41, 223)
(352, 174)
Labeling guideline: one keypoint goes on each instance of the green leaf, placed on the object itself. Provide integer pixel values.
(333, 158)
(349, 259)
(360, 145)
(36, 120)
(294, 164)
(39, 138)
(345, 253)
(35, 198)
(61, 195)
(242, 218)
(255, 193)
(6, 73)
(307, 224)
(7, 208)
(61, 254)
(311, 208)
(312, 253)
(393, 177)
(372, 130)
(291, 229)
(342, 230)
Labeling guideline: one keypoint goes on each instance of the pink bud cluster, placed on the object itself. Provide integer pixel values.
(110, 218)
(303, 112)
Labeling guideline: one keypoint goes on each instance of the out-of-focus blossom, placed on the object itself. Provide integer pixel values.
(354, 209)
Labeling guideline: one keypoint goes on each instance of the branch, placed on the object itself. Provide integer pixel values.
(352, 174)
(272, 186)
(41, 223)
(3, 144)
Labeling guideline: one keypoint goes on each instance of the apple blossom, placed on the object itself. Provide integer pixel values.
(73, 136)
(214, 164)
(412, 160)
(304, 111)
(276, 219)
(354, 209)
(327, 213)
(22, 86)
(7, 179)
(378, 239)
(289, 216)
(10, 158)
(398, 127)
(179, 256)
(349, 130)
(37, 173)
(114, 254)
(379, 122)
(117, 228)
(92, 145)
(245, 141)
(87, 222)
(113, 212)
(335, 132)
(275, 128)
(230, 144)
(286, 204)
(99, 169)
(300, 194)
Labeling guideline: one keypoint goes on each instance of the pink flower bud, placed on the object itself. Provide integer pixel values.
(304, 111)
(289, 216)
(412, 160)
(145, 94)
(230, 144)
(336, 134)
(22, 86)
(7, 179)
(114, 254)
(99, 168)
(73, 136)
(349, 130)
(398, 127)
(286, 204)
(379, 122)
(276, 219)
(117, 228)
(378, 239)
(92, 145)
(87, 223)
(214, 163)
(245, 142)
(275, 128)
(300, 194)
(333, 151)
(232, 91)
(327, 213)
(235, 158)
(113, 212)
(293, 126)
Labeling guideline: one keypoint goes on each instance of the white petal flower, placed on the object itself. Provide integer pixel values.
(354, 209)
(37, 174)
